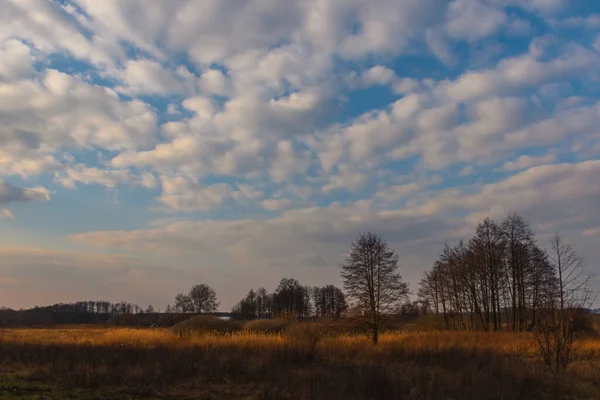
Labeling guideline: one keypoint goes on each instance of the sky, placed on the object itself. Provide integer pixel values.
(148, 145)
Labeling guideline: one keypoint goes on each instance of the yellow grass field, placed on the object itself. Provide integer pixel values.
(99, 362)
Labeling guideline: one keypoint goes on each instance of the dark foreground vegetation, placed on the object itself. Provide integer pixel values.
(207, 358)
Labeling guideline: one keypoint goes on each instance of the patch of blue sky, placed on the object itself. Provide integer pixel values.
(75, 210)
(581, 8)
(361, 101)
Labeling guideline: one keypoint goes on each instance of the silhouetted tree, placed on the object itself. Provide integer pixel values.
(371, 279)
(200, 299)
(556, 330)
(290, 299)
(329, 301)
(256, 304)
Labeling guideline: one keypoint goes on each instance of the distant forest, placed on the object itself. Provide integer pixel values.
(501, 279)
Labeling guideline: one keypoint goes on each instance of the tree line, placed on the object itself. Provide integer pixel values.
(292, 299)
(81, 312)
(501, 279)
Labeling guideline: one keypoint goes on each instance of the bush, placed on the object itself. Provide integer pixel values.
(278, 325)
(308, 333)
(202, 324)
(586, 325)
(427, 322)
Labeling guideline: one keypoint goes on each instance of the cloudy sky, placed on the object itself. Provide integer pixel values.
(146, 145)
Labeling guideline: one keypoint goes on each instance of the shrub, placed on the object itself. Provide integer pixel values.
(202, 324)
(427, 322)
(308, 333)
(278, 325)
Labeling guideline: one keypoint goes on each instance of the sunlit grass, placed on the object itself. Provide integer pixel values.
(298, 362)
(501, 342)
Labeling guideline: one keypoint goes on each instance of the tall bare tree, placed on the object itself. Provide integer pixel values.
(200, 299)
(573, 278)
(555, 331)
(371, 279)
(500, 280)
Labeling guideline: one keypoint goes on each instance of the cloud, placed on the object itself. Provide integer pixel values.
(61, 112)
(311, 241)
(7, 214)
(53, 276)
(149, 77)
(185, 195)
(473, 19)
(335, 116)
(12, 194)
(275, 204)
(524, 162)
(591, 232)
(52, 29)
(16, 61)
(108, 178)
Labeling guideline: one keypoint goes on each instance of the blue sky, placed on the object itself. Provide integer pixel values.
(149, 145)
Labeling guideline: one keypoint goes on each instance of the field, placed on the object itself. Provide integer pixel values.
(85, 362)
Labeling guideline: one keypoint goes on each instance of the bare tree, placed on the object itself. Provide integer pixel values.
(573, 278)
(329, 301)
(200, 299)
(500, 280)
(290, 299)
(371, 280)
(555, 331)
(204, 298)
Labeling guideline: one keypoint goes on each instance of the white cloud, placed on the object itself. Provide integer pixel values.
(515, 73)
(275, 204)
(289, 161)
(109, 178)
(50, 29)
(525, 162)
(259, 94)
(345, 179)
(149, 77)
(10, 194)
(473, 19)
(214, 82)
(185, 195)
(16, 61)
(378, 75)
(63, 111)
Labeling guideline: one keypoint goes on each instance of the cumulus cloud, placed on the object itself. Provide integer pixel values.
(108, 178)
(473, 19)
(336, 116)
(560, 197)
(16, 61)
(149, 77)
(524, 162)
(10, 194)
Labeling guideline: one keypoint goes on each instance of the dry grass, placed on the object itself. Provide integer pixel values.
(303, 363)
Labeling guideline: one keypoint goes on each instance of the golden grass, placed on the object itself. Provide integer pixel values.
(506, 343)
(405, 364)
